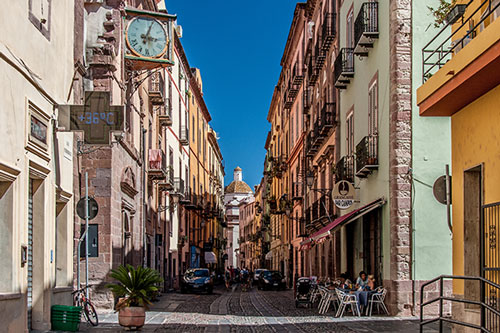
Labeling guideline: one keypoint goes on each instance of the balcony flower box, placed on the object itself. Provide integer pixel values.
(455, 13)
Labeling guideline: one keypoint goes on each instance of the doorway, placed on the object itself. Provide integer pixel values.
(472, 222)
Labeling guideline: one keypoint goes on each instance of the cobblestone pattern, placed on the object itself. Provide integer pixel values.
(253, 311)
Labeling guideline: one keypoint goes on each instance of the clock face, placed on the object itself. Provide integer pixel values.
(146, 37)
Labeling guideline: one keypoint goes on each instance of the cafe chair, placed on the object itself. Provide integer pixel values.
(377, 298)
(346, 300)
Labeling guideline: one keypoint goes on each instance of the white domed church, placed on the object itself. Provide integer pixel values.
(235, 193)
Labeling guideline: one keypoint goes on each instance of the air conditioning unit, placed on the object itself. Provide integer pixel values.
(178, 30)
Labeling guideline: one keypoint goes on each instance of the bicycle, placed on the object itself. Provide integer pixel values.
(80, 299)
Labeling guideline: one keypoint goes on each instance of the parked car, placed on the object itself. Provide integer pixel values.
(271, 280)
(197, 280)
(256, 275)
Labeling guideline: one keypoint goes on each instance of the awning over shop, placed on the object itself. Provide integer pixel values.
(326, 230)
(269, 255)
(210, 258)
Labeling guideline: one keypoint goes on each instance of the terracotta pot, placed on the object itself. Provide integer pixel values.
(133, 316)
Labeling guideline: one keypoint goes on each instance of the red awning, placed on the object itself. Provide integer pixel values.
(325, 231)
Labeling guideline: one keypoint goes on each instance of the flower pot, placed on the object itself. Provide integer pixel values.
(455, 13)
(133, 316)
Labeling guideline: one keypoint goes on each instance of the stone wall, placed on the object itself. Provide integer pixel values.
(400, 155)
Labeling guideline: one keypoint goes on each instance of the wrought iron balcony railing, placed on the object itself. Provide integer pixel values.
(163, 114)
(366, 28)
(298, 72)
(297, 191)
(157, 164)
(344, 68)
(156, 88)
(328, 31)
(312, 72)
(345, 169)
(184, 136)
(319, 54)
(367, 156)
(326, 120)
(307, 98)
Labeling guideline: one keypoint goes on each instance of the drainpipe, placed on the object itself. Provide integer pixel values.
(144, 218)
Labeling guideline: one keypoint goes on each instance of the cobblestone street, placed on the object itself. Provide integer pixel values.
(253, 311)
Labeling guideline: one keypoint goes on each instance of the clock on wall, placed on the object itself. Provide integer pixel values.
(146, 37)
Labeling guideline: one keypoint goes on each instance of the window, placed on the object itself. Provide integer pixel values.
(350, 28)
(6, 232)
(350, 133)
(373, 108)
(39, 15)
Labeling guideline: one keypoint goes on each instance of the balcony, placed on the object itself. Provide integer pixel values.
(328, 30)
(461, 56)
(164, 113)
(315, 211)
(287, 100)
(184, 136)
(326, 120)
(367, 156)
(366, 28)
(179, 186)
(167, 184)
(157, 165)
(312, 145)
(344, 68)
(156, 88)
(298, 73)
(345, 169)
(312, 72)
(297, 191)
(307, 99)
(319, 55)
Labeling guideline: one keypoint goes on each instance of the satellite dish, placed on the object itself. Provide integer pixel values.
(439, 189)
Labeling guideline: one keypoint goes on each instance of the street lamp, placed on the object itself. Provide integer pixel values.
(309, 179)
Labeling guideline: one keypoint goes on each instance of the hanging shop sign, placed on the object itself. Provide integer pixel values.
(148, 39)
(343, 194)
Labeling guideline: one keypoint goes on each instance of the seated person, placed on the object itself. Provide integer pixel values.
(371, 282)
(362, 280)
(345, 283)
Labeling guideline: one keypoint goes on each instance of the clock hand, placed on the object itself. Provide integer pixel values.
(149, 30)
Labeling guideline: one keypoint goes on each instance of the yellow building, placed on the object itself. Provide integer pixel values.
(464, 84)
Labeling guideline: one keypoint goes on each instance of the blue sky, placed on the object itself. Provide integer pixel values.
(238, 47)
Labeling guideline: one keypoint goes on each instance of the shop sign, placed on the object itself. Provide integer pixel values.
(343, 194)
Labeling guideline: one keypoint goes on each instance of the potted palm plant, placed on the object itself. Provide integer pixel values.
(135, 287)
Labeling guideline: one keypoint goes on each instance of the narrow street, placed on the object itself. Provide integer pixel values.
(252, 311)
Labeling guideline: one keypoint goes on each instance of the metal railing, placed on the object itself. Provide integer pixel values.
(157, 161)
(367, 152)
(344, 63)
(435, 57)
(307, 98)
(297, 190)
(184, 136)
(487, 309)
(328, 31)
(366, 22)
(344, 169)
(298, 72)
